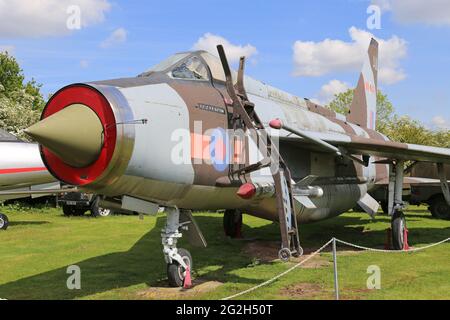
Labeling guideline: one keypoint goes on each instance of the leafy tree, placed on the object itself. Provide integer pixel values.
(342, 102)
(21, 102)
(385, 109)
(400, 129)
(442, 138)
(406, 130)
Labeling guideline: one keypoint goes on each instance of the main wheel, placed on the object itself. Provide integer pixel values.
(4, 222)
(385, 207)
(232, 223)
(439, 208)
(175, 272)
(398, 226)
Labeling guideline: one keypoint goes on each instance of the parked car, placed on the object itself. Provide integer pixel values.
(432, 196)
(77, 204)
(424, 193)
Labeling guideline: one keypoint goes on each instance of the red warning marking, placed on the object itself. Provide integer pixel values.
(21, 170)
(369, 87)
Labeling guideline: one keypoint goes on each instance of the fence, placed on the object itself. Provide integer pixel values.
(334, 243)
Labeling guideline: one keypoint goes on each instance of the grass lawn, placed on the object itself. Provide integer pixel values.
(120, 258)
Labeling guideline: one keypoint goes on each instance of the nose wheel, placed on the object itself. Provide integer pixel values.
(4, 222)
(176, 272)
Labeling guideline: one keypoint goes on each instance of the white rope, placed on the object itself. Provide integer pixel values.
(281, 274)
(320, 250)
(392, 251)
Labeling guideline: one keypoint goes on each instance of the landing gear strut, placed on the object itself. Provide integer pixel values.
(232, 223)
(179, 261)
(397, 205)
(4, 222)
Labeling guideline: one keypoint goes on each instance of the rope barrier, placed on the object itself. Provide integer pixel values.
(320, 250)
(392, 251)
(281, 274)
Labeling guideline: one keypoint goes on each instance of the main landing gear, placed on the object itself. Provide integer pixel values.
(396, 205)
(398, 227)
(4, 222)
(232, 223)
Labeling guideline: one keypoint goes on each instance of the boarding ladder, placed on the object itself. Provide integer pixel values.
(244, 116)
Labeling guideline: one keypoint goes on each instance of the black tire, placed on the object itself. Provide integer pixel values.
(384, 207)
(232, 223)
(68, 210)
(398, 226)
(79, 212)
(73, 211)
(175, 272)
(439, 208)
(284, 254)
(4, 222)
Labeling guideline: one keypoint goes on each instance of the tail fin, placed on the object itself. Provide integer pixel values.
(363, 110)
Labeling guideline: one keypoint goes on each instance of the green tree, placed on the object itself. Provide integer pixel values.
(21, 102)
(406, 130)
(400, 129)
(385, 110)
(442, 138)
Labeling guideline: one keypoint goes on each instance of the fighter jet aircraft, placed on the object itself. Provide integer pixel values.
(22, 172)
(191, 134)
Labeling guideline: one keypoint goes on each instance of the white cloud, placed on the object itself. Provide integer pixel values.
(314, 59)
(84, 64)
(118, 36)
(31, 18)
(329, 90)
(441, 123)
(391, 75)
(384, 5)
(7, 48)
(209, 41)
(430, 12)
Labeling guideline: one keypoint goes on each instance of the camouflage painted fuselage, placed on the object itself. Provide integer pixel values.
(143, 163)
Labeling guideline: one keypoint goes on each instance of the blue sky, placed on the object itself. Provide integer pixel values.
(149, 31)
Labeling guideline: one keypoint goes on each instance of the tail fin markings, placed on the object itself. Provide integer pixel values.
(363, 110)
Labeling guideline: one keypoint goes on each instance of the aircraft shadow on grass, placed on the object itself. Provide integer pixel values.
(27, 223)
(144, 263)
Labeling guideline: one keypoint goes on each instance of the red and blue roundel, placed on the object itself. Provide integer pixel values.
(220, 149)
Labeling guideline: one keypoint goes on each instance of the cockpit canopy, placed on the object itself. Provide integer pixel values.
(204, 66)
(198, 65)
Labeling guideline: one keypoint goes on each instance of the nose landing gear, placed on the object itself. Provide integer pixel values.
(179, 261)
(177, 273)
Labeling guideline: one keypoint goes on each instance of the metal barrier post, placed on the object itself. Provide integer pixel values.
(336, 284)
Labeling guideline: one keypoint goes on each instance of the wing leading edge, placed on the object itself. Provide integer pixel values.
(357, 145)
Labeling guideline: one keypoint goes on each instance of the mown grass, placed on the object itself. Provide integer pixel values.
(120, 256)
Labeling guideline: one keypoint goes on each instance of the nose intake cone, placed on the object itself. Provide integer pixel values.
(74, 134)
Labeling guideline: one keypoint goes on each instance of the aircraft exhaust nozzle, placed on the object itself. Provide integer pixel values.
(73, 134)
